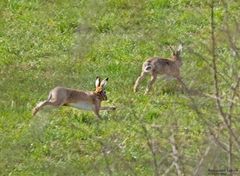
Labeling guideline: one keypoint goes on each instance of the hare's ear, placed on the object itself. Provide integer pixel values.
(180, 47)
(97, 82)
(104, 82)
(173, 51)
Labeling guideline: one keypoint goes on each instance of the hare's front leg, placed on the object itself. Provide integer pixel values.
(149, 86)
(96, 110)
(140, 78)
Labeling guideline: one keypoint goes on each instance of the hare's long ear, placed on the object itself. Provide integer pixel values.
(173, 51)
(180, 47)
(97, 82)
(104, 82)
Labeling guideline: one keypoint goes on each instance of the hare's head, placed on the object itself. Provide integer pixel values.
(100, 88)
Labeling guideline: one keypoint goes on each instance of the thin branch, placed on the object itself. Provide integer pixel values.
(149, 139)
(215, 71)
(204, 58)
(226, 117)
(217, 142)
(227, 31)
(234, 94)
(215, 77)
(200, 114)
(175, 153)
(104, 152)
(229, 117)
(201, 160)
(168, 169)
(220, 98)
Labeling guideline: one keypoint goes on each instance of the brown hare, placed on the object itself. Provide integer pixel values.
(160, 66)
(60, 96)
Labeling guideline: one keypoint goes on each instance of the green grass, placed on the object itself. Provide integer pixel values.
(49, 43)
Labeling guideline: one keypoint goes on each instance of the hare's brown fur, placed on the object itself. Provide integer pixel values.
(160, 66)
(61, 96)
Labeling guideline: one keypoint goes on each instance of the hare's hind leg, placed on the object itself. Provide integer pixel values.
(50, 101)
(140, 78)
(39, 106)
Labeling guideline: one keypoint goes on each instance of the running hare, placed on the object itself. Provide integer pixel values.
(60, 96)
(157, 65)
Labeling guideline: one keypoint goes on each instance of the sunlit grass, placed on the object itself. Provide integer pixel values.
(44, 44)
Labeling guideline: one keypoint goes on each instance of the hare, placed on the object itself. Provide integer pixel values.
(160, 66)
(61, 96)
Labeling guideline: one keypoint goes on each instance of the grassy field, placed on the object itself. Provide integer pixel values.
(44, 44)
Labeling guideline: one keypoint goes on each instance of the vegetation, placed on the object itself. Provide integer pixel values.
(173, 130)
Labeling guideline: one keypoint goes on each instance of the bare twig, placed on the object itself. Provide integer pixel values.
(175, 153)
(229, 117)
(234, 94)
(226, 118)
(104, 152)
(201, 160)
(205, 59)
(149, 143)
(227, 31)
(215, 71)
(217, 142)
(168, 169)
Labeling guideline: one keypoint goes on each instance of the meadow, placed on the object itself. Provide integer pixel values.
(51, 43)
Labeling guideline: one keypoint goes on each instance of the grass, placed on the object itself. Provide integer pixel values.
(49, 43)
